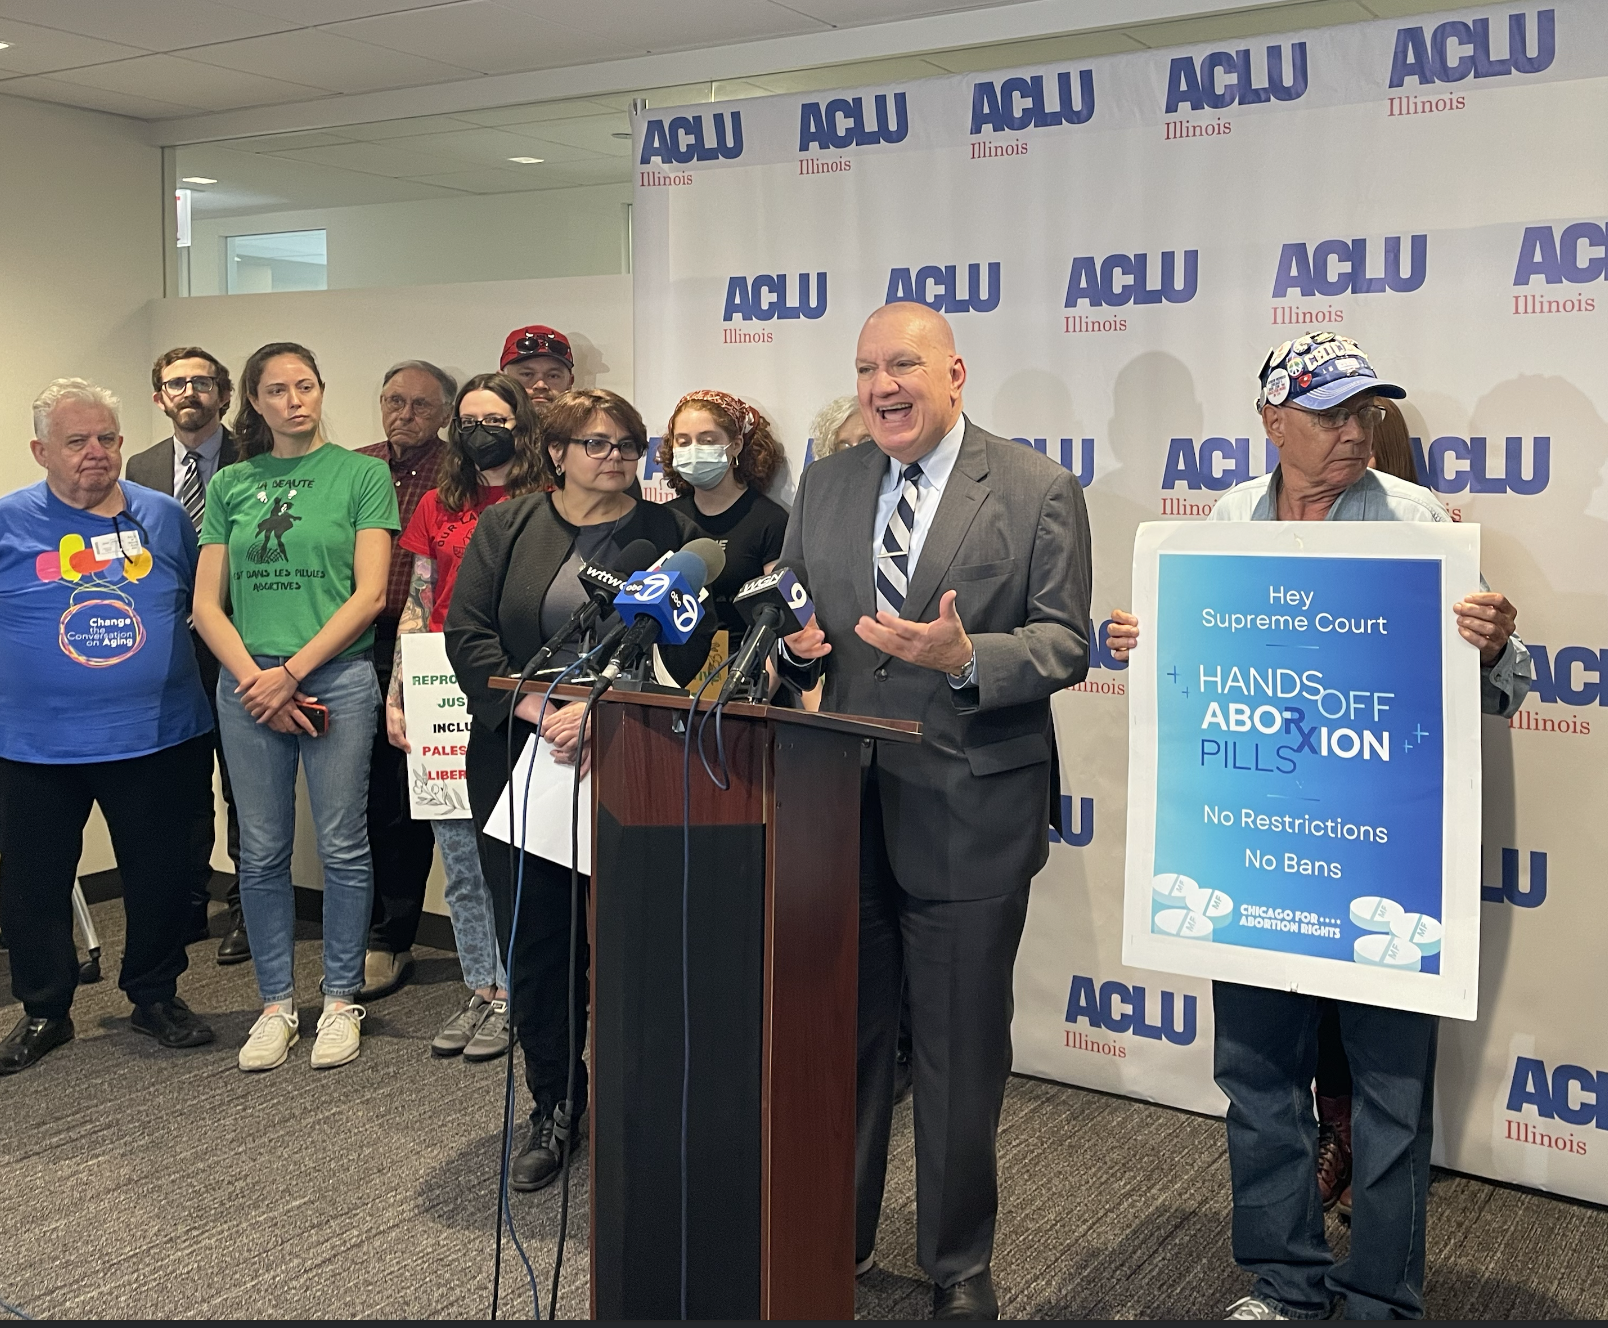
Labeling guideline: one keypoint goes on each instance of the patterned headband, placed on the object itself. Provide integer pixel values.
(746, 416)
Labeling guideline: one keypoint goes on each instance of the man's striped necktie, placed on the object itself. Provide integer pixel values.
(190, 493)
(893, 558)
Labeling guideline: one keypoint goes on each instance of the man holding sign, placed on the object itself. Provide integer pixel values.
(1318, 401)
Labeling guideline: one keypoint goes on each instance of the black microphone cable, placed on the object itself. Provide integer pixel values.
(686, 885)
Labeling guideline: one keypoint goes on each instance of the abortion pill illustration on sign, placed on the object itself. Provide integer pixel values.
(1304, 802)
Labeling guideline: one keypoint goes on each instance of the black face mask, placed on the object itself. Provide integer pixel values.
(488, 445)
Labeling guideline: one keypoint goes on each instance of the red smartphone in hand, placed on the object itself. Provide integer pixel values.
(317, 715)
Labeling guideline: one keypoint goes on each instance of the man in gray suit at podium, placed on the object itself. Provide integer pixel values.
(192, 388)
(951, 574)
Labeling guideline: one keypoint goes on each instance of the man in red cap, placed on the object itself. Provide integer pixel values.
(540, 359)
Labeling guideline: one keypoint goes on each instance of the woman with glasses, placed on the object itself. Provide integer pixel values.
(517, 586)
(493, 452)
(295, 548)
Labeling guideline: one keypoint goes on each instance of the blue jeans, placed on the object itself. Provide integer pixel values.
(262, 764)
(1265, 1055)
(474, 922)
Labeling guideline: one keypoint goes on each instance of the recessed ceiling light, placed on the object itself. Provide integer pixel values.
(5, 46)
(625, 134)
(198, 179)
(527, 161)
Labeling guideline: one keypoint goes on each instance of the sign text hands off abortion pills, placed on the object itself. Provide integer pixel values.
(1305, 735)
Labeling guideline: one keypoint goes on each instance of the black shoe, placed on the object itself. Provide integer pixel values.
(972, 1299)
(537, 1164)
(30, 1040)
(172, 1023)
(235, 947)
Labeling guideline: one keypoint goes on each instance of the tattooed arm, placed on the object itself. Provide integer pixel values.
(415, 617)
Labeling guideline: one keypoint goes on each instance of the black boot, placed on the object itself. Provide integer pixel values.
(235, 947)
(31, 1040)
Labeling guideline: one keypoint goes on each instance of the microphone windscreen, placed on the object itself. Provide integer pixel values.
(713, 555)
(636, 556)
(693, 568)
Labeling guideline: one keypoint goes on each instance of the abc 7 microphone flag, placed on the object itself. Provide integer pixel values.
(1117, 241)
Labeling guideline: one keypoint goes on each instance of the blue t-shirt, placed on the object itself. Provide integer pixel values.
(95, 656)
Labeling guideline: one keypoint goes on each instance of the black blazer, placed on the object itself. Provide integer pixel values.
(153, 468)
(494, 624)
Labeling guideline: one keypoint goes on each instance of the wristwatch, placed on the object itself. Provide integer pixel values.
(967, 675)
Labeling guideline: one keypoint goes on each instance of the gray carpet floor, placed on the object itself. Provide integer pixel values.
(137, 1182)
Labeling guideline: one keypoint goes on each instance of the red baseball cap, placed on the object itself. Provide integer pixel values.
(527, 342)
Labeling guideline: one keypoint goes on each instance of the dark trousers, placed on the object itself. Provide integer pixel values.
(539, 962)
(957, 957)
(402, 847)
(205, 833)
(1264, 1060)
(150, 804)
(1334, 1070)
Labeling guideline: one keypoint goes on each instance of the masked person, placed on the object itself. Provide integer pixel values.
(718, 455)
(493, 453)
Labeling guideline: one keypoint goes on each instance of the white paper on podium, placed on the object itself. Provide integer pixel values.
(546, 790)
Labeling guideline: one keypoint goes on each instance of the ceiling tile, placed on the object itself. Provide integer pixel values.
(536, 112)
(369, 158)
(485, 180)
(405, 128)
(151, 25)
(595, 133)
(41, 87)
(485, 37)
(860, 13)
(488, 147)
(1044, 50)
(302, 138)
(325, 60)
(596, 171)
(310, 13)
(858, 74)
(37, 50)
(186, 83)
(684, 25)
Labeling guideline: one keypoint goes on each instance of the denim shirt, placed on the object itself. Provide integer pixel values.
(1379, 496)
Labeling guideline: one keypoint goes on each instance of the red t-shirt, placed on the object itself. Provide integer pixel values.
(437, 533)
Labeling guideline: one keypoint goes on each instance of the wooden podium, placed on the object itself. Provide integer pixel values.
(773, 925)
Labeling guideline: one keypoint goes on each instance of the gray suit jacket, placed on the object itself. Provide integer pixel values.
(154, 466)
(966, 812)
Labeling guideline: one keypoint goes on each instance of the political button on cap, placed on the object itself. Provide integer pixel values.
(1183, 923)
(1386, 951)
(1319, 373)
(1374, 913)
(1419, 929)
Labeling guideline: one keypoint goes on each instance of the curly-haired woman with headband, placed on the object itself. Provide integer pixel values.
(719, 456)
(493, 453)
(295, 550)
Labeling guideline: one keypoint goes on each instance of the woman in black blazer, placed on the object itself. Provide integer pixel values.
(517, 587)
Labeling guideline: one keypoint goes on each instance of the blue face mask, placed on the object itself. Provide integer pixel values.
(702, 465)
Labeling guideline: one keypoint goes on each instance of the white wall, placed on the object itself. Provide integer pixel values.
(491, 237)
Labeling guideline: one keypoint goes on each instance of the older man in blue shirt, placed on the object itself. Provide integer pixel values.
(1318, 399)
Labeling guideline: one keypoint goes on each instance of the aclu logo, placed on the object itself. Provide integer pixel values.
(1022, 103)
(940, 288)
(1119, 279)
(1459, 49)
(843, 123)
(1534, 892)
(1082, 465)
(683, 139)
(1574, 676)
(764, 297)
(1570, 1095)
(1459, 465)
(1340, 267)
(1079, 833)
(1217, 464)
(1226, 78)
(1117, 1008)
(1579, 255)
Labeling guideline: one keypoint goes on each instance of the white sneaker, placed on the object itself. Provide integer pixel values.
(1253, 1307)
(270, 1041)
(337, 1037)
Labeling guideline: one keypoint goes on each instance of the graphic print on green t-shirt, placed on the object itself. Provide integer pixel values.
(291, 526)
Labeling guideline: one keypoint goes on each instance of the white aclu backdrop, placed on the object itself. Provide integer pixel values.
(1115, 264)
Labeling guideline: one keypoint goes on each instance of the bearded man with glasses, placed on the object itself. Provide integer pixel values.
(1319, 400)
(192, 387)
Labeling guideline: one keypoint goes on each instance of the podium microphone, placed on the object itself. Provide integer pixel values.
(601, 586)
(774, 605)
(662, 606)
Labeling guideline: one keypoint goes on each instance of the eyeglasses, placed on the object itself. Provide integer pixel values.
(630, 449)
(419, 405)
(1367, 417)
(175, 387)
(490, 421)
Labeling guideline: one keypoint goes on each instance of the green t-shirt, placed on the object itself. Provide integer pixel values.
(291, 526)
